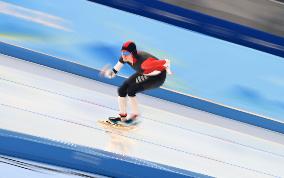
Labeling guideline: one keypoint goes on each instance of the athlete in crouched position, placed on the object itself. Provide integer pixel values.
(150, 73)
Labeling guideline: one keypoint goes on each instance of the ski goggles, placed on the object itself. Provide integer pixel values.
(125, 53)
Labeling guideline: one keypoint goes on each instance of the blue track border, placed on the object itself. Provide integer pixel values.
(202, 23)
(83, 158)
(190, 101)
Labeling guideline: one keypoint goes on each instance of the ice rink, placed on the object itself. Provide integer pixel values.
(48, 103)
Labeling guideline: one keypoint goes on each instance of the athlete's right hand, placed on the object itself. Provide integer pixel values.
(168, 65)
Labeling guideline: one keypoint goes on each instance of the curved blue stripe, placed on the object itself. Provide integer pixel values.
(83, 158)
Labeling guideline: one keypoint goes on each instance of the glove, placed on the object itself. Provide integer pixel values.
(167, 65)
(109, 73)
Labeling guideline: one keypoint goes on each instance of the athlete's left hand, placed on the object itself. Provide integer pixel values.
(107, 72)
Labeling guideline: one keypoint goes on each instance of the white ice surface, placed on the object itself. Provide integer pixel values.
(52, 104)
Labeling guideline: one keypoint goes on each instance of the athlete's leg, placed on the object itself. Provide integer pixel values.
(122, 104)
(122, 100)
(141, 85)
(134, 106)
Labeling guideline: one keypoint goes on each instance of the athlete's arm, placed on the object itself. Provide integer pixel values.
(111, 73)
(153, 67)
(117, 67)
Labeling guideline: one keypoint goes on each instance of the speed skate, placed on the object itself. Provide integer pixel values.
(118, 125)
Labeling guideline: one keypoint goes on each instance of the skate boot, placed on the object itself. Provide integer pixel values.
(116, 120)
(132, 120)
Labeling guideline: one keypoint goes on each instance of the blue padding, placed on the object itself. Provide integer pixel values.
(91, 73)
(83, 158)
(202, 23)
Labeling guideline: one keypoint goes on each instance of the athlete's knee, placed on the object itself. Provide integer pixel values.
(122, 91)
(131, 92)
